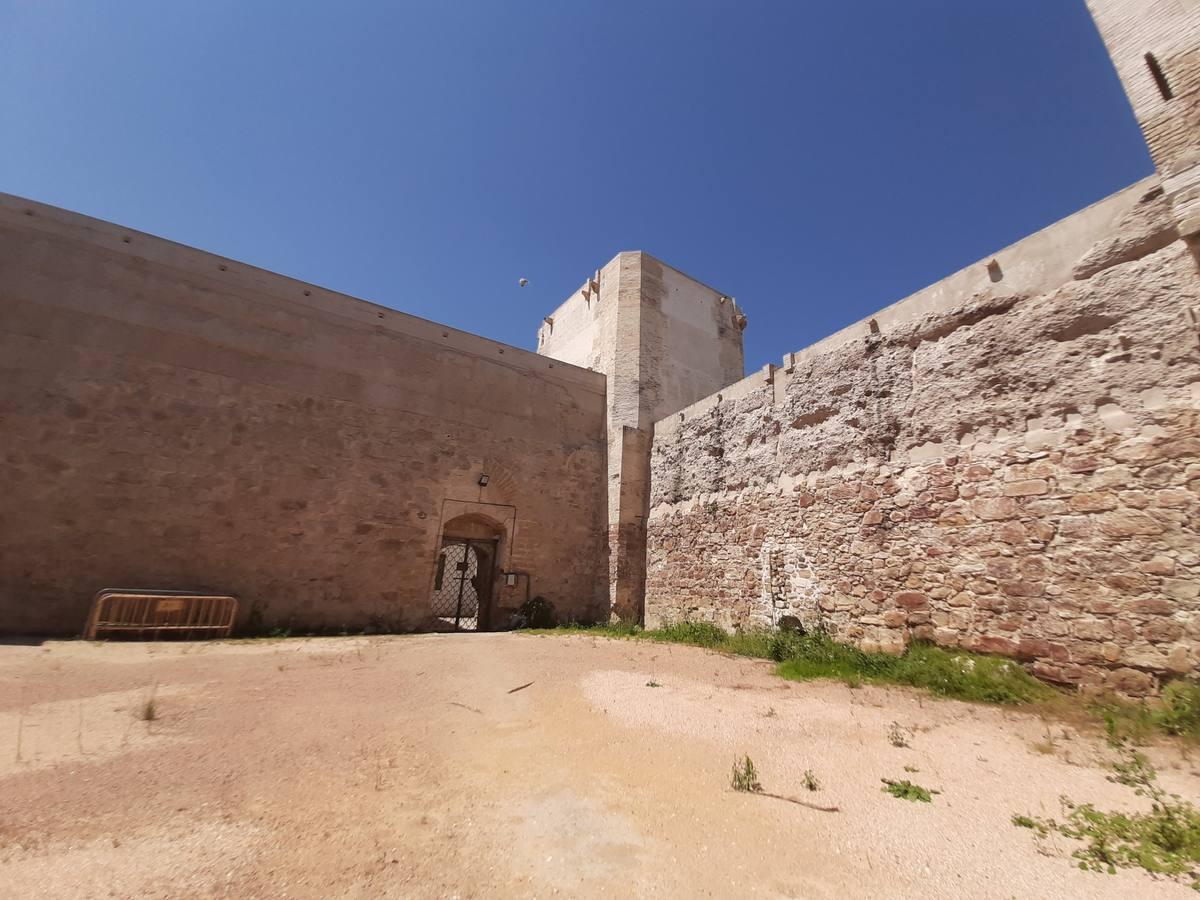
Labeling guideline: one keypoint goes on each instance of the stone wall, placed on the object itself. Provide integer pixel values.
(1155, 48)
(1015, 473)
(663, 340)
(172, 419)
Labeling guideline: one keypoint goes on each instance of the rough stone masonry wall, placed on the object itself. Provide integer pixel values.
(171, 419)
(1019, 475)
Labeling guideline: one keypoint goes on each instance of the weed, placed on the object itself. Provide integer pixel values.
(1027, 822)
(898, 735)
(1048, 745)
(906, 790)
(1164, 841)
(811, 781)
(699, 634)
(148, 710)
(538, 613)
(1180, 712)
(1125, 721)
(745, 776)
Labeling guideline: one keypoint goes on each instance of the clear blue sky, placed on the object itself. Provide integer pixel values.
(816, 160)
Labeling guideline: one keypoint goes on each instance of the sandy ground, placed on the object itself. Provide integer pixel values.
(406, 767)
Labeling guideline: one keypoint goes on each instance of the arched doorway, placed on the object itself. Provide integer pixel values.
(465, 575)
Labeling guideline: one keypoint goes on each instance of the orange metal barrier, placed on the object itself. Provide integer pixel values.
(119, 611)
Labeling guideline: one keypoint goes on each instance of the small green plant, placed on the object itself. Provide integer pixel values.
(1180, 712)
(811, 781)
(538, 612)
(1125, 721)
(906, 790)
(1027, 822)
(1164, 841)
(744, 776)
(898, 735)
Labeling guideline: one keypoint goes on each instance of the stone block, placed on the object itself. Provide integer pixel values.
(1099, 501)
(992, 509)
(1128, 523)
(1028, 488)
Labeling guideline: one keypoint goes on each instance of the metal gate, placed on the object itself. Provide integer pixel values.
(461, 585)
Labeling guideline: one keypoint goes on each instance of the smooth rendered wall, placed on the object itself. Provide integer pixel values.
(690, 340)
(171, 419)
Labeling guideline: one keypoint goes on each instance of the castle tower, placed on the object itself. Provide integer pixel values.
(1155, 47)
(664, 340)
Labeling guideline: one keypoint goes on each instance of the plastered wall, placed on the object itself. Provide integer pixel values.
(1014, 468)
(172, 419)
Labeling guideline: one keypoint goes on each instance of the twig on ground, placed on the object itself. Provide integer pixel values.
(798, 801)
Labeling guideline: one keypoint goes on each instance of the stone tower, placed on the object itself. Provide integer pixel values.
(664, 341)
(1155, 47)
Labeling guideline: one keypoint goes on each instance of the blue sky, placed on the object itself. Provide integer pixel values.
(816, 160)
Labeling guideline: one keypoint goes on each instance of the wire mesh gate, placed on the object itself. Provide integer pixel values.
(460, 584)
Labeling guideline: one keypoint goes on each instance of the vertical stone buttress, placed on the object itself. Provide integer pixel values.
(1155, 47)
(665, 341)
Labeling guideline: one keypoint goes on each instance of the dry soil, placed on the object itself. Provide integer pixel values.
(414, 767)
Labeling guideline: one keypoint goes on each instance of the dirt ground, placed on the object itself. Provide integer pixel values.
(410, 767)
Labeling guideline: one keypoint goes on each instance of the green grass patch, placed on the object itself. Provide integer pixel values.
(1180, 710)
(1177, 713)
(956, 674)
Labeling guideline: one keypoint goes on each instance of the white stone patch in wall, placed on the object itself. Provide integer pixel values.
(1043, 432)
(927, 451)
(1114, 418)
(1153, 398)
(788, 586)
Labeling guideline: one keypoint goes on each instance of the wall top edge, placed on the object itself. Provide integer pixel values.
(23, 214)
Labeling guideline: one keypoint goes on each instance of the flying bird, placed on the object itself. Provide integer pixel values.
(523, 281)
